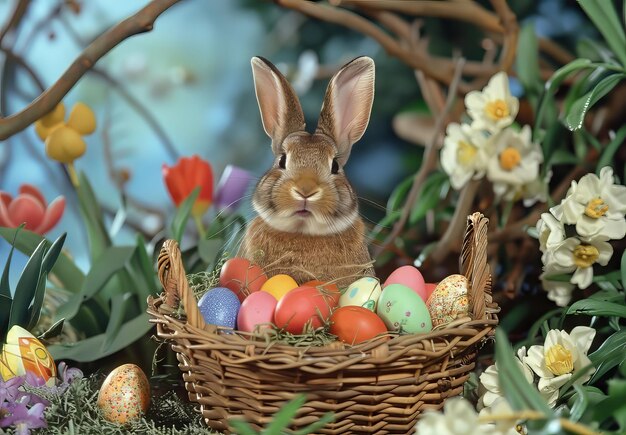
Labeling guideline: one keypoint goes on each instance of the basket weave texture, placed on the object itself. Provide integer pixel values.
(377, 387)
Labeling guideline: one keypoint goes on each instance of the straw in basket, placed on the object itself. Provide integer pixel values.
(376, 387)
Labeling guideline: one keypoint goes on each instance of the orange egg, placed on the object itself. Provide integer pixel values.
(300, 306)
(330, 291)
(242, 277)
(279, 285)
(124, 395)
(354, 325)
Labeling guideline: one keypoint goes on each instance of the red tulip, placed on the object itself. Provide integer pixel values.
(187, 174)
(30, 208)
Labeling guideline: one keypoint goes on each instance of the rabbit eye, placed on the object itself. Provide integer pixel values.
(283, 161)
(335, 168)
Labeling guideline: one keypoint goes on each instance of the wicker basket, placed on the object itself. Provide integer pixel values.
(377, 387)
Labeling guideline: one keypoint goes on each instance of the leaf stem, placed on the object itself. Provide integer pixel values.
(71, 170)
(201, 230)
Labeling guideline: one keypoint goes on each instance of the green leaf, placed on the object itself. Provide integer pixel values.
(623, 269)
(434, 188)
(241, 427)
(92, 214)
(591, 307)
(5, 286)
(182, 215)
(527, 62)
(282, 418)
(609, 355)
(398, 195)
(112, 260)
(575, 116)
(64, 268)
(119, 307)
(27, 287)
(606, 159)
(49, 259)
(604, 17)
(614, 406)
(6, 301)
(562, 157)
(53, 331)
(580, 403)
(90, 349)
(520, 394)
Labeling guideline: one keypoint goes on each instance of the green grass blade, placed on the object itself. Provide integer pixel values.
(604, 17)
(241, 427)
(282, 418)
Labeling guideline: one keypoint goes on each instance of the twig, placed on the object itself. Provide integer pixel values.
(19, 61)
(511, 32)
(142, 21)
(430, 158)
(16, 17)
(468, 12)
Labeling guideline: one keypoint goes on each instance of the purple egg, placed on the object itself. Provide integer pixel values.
(231, 188)
(220, 306)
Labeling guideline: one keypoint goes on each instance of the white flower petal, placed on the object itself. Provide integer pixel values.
(536, 361)
(582, 277)
(582, 336)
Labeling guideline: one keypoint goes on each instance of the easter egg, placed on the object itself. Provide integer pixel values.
(279, 285)
(330, 291)
(299, 307)
(258, 308)
(430, 288)
(23, 353)
(355, 325)
(219, 306)
(363, 292)
(124, 395)
(242, 277)
(402, 309)
(449, 300)
(410, 277)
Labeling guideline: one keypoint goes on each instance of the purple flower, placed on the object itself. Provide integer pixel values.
(65, 376)
(232, 188)
(23, 418)
(9, 390)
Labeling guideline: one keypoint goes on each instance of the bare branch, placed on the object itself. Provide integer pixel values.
(142, 21)
(18, 13)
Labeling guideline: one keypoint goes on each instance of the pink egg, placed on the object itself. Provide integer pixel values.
(430, 288)
(410, 277)
(256, 309)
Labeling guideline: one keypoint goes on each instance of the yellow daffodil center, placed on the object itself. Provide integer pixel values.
(559, 360)
(465, 153)
(596, 208)
(510, 158)
(585, 255)
(497, 110)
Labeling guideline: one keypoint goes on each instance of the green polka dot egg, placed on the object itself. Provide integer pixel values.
(363, 292)
(124, 395)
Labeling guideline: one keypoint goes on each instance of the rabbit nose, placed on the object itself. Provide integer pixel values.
(306, 195)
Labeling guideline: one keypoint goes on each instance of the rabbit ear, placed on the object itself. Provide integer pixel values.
(280, 109)
(347, 105)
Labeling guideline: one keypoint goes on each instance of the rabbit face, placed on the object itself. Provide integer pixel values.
(306, 190)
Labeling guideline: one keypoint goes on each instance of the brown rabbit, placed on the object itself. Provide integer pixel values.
(308, 225)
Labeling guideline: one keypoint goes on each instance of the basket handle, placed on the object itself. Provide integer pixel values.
(473, 264)
(174, 281)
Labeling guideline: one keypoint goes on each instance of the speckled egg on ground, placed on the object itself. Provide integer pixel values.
(124, 395)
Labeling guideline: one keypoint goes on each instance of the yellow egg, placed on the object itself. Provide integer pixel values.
(279, 285)
(124, 395)
(22, 354)
(82, 119)
(449, 300)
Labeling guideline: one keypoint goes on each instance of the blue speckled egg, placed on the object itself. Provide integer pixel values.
(219, 306)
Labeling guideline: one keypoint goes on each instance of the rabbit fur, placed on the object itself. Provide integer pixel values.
(308, 225)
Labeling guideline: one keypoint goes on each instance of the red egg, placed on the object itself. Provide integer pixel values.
(242, 277)
(410, 277)
(331, 291)
(430, 288)
(299, 306)
(355, 325)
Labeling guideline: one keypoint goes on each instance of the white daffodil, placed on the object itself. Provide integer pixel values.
(581, 255)
(536, 191)
(595, 205)
(494, 108)
(561, 356)
(463, 155)
(491, 384)
(500, 407)
(458, 418)
(558, 291)
(514, 162)
(551, 234)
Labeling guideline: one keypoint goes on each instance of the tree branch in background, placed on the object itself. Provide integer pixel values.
(141, 22)
(428, 164)
(15, 18)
